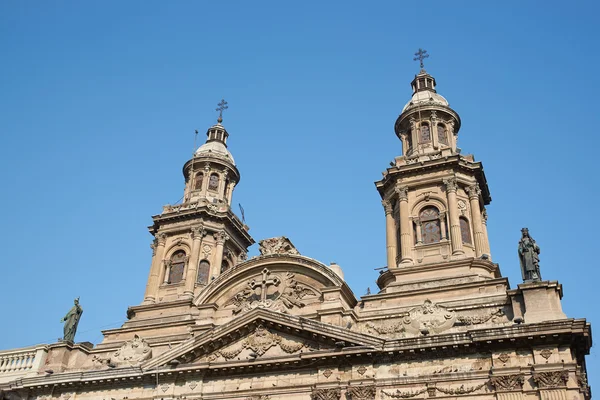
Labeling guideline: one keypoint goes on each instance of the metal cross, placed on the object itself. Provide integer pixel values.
(222, 106)
(421, 55)
(264, 284)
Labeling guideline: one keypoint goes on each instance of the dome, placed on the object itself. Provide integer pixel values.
(426, 97)
(216, 149)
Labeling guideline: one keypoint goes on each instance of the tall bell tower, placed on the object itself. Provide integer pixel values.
(201, 238)
(434, 197)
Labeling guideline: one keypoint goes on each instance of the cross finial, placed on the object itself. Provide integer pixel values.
(222, 106)
(421, 55)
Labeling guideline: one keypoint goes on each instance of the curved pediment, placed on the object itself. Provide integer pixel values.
(284, 283)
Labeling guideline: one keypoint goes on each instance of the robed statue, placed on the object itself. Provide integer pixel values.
(529, 256)
(71, 321)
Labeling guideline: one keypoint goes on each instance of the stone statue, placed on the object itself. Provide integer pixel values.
(71, 321)
(529, 256)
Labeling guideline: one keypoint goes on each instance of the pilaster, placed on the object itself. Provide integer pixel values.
(479, 237)
(390, 234)
(153, 280)
(406, 239)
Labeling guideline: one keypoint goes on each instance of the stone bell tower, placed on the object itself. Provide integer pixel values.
(434, 197)
(201, 238)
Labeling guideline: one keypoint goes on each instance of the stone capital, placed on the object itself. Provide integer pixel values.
(221, 237)
(387, 206)
(161, 239)
(451, 185)
(198, 232)
(207, 167)
(473, 191)
(402, 192)
(153, 246)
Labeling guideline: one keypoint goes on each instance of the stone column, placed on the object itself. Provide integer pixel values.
(390, 234)
(198, 233)
(220, 238)
(479, 239)
(158, 251)
(230, 192)
(455, 236)
(406, 242)
(443, 225)
(433, 130)
(205, 179)
(484, 217)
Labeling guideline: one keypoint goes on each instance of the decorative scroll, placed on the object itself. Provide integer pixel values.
(551, 379)
(507, 382)
(361, 392)
(133, 352)
(259, 342)
(326, 394)
(271, 291)
(277, 245)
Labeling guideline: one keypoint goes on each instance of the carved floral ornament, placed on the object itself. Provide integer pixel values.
(277, 245)
(259, 342)
(507, 382)
(278, 292)
(326, 394)
(361, 392)
(452, 391)
(133, 352)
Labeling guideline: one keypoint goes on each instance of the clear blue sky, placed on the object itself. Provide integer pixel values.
(100, 100)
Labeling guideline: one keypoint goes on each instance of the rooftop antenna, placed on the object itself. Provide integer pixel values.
(242, 211)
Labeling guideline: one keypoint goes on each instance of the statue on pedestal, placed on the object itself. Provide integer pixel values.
(529, 256)
(71, 321)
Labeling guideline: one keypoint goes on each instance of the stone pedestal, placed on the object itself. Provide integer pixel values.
(540, 301)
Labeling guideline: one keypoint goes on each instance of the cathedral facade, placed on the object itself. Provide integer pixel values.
(215, 324)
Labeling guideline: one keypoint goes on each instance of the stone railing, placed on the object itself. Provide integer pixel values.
(17, 363)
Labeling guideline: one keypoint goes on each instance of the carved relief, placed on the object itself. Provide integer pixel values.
(259, 342)
(396, 328)
(497, 316)
(133, 352)
(429, 318)
(276, 245)
(461, 389)
(326, 394)
(507, 382)
(206, 250)
(361, 392)
(404, 395)
(271, 291)
(551, 379)
(504, 357)
(546, 353)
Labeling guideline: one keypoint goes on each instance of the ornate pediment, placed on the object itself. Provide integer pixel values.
(276, 291)
(276, 245)
(262, 334)
(263, 342)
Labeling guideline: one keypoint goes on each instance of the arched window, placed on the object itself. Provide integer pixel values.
(177, 267)
(213, 182)
(465, 230)
(424, 134)
(203, 272)
(430, 225)
(198, 181)
(224, 266)
(442, 134)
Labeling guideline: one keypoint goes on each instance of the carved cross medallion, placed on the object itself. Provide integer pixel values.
(264, 284)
